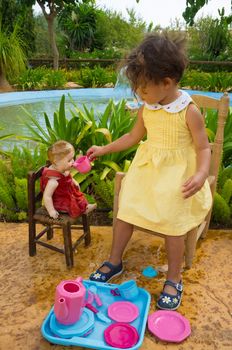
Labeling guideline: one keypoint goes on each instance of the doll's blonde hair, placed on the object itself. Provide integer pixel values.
(59, 150)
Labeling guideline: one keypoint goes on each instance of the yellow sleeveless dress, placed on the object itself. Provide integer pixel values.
(151, 193)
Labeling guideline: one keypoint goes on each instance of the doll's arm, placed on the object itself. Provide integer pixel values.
(47, 197)
(76, 184)
(196, 125)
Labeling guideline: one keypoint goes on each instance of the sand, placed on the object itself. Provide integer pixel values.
(28, 286)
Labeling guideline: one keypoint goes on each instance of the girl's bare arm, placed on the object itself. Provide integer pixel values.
(196, 126)
(124, 142)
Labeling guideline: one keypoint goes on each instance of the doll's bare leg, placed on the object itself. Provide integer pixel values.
(90, 207)
(175, 251)
(121, 235)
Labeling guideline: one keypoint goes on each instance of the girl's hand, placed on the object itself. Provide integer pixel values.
(193, 184)
(95, 151)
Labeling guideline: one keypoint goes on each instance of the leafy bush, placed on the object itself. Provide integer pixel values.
(210, 39)
(222, 206)
(103, 190)
(40, 78)
(45, 78)
(96, 77)
(215, 81)
(13, 181)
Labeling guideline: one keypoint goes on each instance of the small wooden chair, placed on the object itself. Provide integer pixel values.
(65, 222)
(204, 102)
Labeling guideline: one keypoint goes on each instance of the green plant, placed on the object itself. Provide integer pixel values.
(106, 127)
(219, 35)
(40, 78)
(61, 128)
(24, 159)
(79, 24)
(12, 57)
(85, 128)
(13, 181)
(31, 79)
(4, 137)
(214, 81)
(103, 189)
(96, 77)
(222, 205)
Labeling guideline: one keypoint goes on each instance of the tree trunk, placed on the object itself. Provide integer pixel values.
(52, 39)
(4, 84)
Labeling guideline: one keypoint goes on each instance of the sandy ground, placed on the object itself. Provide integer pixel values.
(28, 286)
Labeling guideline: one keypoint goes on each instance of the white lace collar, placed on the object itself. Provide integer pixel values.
(174, 107)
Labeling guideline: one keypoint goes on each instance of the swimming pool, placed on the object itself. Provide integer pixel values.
(37, 102)
(84, 95)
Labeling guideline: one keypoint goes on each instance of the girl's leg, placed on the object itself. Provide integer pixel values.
(175, 252)
(122, 233)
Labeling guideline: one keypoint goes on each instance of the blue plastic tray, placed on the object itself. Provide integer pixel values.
(95, 340)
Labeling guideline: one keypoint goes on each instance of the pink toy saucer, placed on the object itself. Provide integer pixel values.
(169, 326)
(121, 335)
(123, 311)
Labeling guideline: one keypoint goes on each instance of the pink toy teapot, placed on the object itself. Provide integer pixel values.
(82, 164)
(69, 301)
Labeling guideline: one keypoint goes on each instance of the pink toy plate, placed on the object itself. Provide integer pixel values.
(169, 326)
(121, 335)
(123, 311)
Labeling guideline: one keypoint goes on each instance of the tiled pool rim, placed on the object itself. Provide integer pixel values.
(19, 97)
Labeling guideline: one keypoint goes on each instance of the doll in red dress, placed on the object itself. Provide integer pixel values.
(61, 193)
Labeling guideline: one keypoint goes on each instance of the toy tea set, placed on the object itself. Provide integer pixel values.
(82, 164)
(108, 316)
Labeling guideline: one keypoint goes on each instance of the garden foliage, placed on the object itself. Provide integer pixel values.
(222, 206)
(13, 181)
(83, 129)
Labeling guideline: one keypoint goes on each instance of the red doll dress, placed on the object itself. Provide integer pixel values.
(67, 197)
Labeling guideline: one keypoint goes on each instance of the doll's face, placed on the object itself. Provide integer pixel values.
(65, 163)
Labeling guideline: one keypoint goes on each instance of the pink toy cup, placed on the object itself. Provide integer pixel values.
(82, 164)
(69, 301)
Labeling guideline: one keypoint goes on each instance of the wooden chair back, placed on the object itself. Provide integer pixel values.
(222, 106)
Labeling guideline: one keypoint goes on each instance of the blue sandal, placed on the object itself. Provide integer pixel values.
(99, 276)
(170, 302)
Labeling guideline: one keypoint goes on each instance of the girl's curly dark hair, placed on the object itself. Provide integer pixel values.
(157, 57)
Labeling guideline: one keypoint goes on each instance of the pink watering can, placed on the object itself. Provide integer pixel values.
(82, 164)
(69, 301)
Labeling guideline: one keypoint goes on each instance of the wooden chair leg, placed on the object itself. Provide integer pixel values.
(49, 233)
(86, 229)
(68, 244)
(32, 234)
(208, 217)
(190, 247)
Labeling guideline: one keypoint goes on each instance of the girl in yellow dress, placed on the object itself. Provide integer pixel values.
(166, 188)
